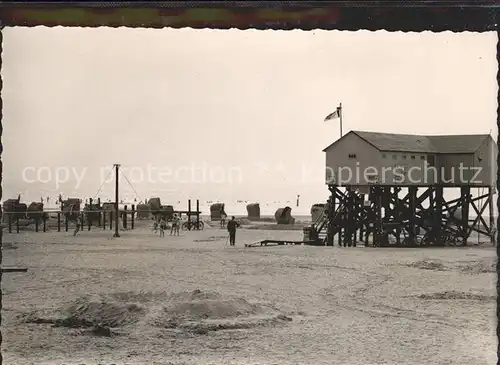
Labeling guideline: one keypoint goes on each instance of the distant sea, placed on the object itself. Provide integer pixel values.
(236, 209)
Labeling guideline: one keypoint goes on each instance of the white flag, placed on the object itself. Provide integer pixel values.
(334, 115)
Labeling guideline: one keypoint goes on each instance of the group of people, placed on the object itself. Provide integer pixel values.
(161, 225)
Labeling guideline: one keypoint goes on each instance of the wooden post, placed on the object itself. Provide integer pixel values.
(81, 220)
(438, 215)
(44, 218)
(125, 217)
(412, 191)
(66, 222)
(103, 215)
(330, 236)
(491, 214)
(377, 238)
(465, 197)
(17, 224)
(341, 218)
(349, 207)
(99, 209)
(10, 222)
(111, 220)
(58, 222)
(132, 217)
(189, 214)
(197, 214)
(90, 214)
(37, 223)
(361, 216)
(117, 217)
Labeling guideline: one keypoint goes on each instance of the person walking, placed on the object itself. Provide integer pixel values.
(73, 217)
(231, 228)
(155, 225)
(163, 226)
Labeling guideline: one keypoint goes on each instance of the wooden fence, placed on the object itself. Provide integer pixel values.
(88, 218)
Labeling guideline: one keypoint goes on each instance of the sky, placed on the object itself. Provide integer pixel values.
(245, 109)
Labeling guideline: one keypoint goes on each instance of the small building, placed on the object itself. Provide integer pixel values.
(363, 159)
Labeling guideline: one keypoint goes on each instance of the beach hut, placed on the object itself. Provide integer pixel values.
(35, 211)
(92, 212)
(253, 211)
(71, 208)
(13, 208)
(143, 211)
(109, 209)
(158, 210)
(284, 216)
(316, 211)
(154, 205)
(216, 211)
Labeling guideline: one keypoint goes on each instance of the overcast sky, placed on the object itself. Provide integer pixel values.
(250, 100)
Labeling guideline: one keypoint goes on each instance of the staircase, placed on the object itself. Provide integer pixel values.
(320, 225)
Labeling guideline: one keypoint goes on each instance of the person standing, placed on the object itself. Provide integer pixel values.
(231, 228)
(223, 218)
(176, 221)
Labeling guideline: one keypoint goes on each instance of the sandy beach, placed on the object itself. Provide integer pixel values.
(192, 299)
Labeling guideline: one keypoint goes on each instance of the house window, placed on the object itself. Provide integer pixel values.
(404, 157)
(352, 155)
(394, 157)
(412, 157)
(384, 155)
(422, 157)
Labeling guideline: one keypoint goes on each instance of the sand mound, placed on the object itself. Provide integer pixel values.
(97, 316)
(211, 309)
(453, 295)
(198, 312)
(479, 267)
(138, 297)
(90, 311)
(428, 265)
(102, 312)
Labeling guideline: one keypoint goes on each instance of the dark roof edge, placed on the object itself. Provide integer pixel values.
(485, 139)
(415, 135)
(354, 132)
(371, 144)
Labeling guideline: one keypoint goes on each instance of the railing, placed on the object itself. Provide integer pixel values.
(42, 219)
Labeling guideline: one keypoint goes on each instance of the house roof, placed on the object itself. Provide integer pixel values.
(422, 144)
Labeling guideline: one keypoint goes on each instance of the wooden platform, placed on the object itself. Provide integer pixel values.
(275, 243)
(14, 269)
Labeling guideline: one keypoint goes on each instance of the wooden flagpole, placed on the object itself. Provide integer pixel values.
(339, 111)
